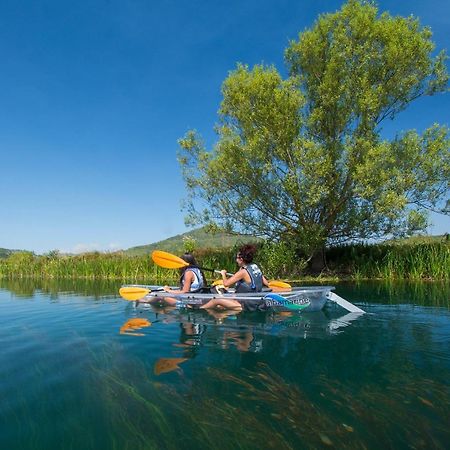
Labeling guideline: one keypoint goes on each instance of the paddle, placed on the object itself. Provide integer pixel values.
(279, 285)
(133, 293)
(169, 261)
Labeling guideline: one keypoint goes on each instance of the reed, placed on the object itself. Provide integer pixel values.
(88, 266)
(419, 261)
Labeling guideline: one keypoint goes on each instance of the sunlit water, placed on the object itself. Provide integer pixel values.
(83, 369)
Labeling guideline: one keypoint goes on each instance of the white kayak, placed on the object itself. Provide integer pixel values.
(304, 298)
(311, 298)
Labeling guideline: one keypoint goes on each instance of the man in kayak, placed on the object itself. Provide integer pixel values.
(248, 278)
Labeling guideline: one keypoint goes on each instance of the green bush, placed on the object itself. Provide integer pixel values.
(279, 259)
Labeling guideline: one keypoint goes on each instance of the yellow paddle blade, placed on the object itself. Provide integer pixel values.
(167, 260)
(133, 293)
(217, 282)
(279, 285)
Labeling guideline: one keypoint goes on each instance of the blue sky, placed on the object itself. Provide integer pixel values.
(95, 94)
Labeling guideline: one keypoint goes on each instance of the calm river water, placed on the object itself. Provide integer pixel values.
(82, 368)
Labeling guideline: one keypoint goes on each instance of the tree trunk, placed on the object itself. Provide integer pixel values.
(317, 262)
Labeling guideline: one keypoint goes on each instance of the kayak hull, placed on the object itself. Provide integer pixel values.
(308, 299)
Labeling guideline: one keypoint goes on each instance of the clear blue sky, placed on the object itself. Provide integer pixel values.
(95, 94)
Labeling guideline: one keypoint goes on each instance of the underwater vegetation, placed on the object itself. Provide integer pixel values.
(258, 408)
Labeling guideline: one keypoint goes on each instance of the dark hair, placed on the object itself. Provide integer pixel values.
(247, 252)
(189, 258)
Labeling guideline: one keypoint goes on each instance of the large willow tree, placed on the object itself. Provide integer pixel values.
(302, 159)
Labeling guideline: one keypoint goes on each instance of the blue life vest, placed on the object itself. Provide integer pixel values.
(198, 284)
(255, 284)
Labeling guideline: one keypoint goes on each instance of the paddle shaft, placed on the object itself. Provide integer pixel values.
(214, 270)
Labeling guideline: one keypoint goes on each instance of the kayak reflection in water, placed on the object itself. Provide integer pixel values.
(248, 278)
(219, 315)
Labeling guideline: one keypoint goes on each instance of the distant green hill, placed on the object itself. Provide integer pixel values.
(4, 252)
(202, 239)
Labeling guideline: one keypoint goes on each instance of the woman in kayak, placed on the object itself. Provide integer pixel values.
(248, 278)
(192, 278)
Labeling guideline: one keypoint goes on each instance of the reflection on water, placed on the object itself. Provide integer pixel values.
(75, 376)
(164, 365)
(401, 292)
(27, 287)
(194, 324)
(384, 292)
(131, 325)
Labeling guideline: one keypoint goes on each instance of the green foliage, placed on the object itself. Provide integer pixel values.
(4, 252)
(189, 244)
(392, 261)
(410, 259)
(279, 260)
(21, 259)
(52, 254)
(88, 265)
(301, 160)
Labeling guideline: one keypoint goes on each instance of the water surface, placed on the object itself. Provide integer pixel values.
(82, 368)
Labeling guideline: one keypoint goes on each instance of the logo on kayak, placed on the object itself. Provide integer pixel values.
(294, 303)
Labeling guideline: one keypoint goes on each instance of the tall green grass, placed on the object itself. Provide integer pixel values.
(392, 261)
(88, 266)
(379, 261)
(102, 266)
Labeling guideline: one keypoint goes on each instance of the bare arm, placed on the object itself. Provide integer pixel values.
(188, 279)
(239, 275)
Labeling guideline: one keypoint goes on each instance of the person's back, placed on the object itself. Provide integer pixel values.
(256, 280)
(192, 278)
(197, 283)
(248, 278)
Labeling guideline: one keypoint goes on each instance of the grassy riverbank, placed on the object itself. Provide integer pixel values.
(392, 261)
(419, 261)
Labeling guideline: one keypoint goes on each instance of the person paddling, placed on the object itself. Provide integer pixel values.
(192, 278)
(248, 278)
